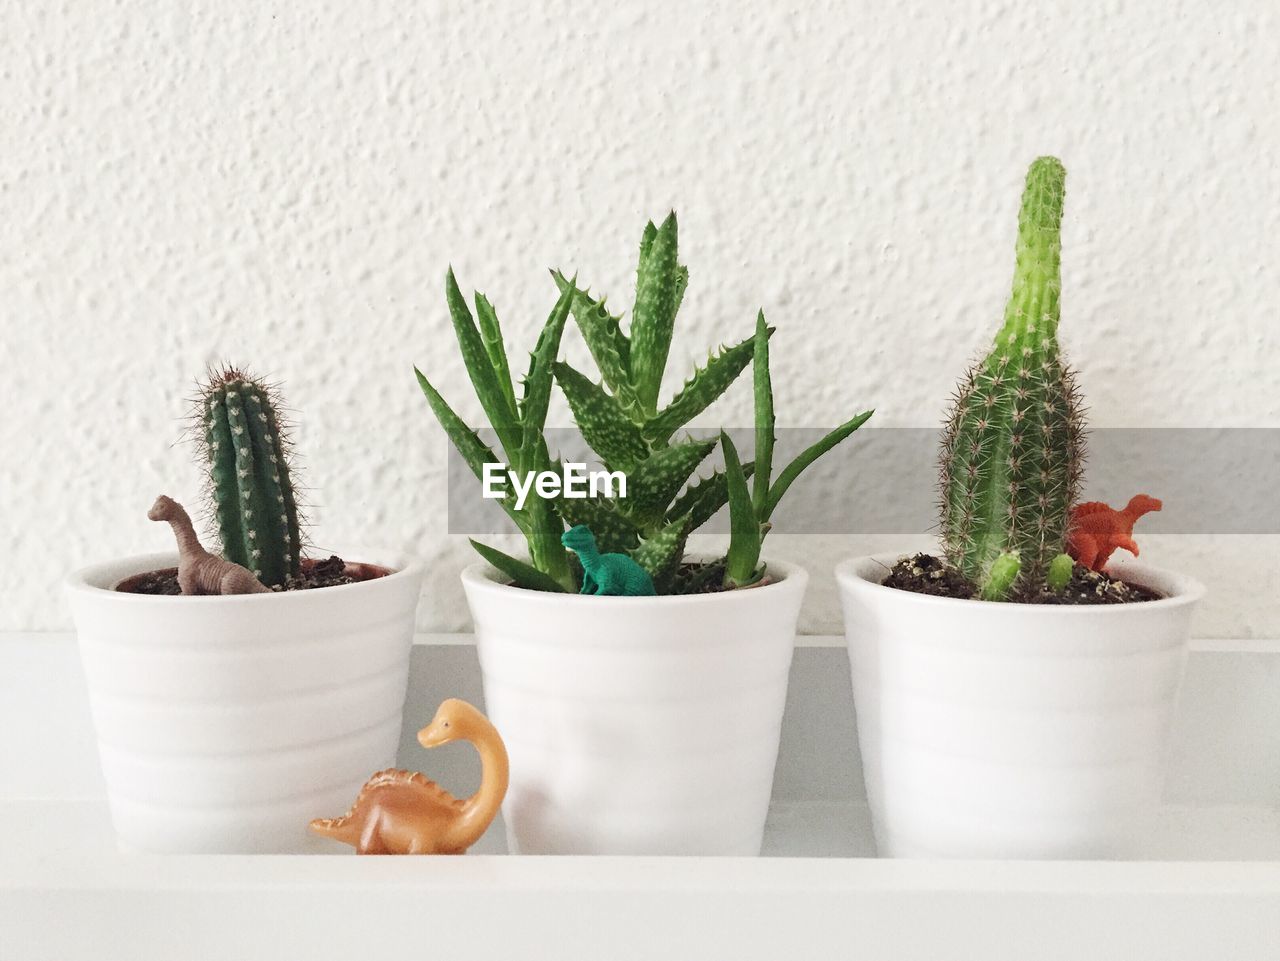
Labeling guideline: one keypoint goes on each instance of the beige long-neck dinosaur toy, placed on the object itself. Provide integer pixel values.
(402, 812)
(200, 572)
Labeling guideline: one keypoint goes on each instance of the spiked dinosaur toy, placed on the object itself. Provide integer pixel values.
(1097, 530)
(402, 812)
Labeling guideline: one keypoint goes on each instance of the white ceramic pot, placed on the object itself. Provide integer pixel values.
(1013, 730)
(226, 723)
(637, 725)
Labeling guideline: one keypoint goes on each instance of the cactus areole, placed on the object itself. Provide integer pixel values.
(1013, 448)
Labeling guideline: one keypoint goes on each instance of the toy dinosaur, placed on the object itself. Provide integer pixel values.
(200, 572)
(1097, 530)
(615, 574)
(402, 812)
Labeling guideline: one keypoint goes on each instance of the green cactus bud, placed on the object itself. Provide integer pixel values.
(1013, 448)
(1060, 570)
(1001, 577)
(250, 487)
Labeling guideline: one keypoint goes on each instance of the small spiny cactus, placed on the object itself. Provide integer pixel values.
(252, 494)
(1013, 448)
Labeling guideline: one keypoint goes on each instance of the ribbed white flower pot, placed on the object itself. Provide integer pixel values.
(993, 730)
(226, 723)
(637, 725)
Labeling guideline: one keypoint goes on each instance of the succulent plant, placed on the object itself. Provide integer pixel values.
(245, 441)
(1013, 448)
(519, 427)
(621, 421)
(750, 510)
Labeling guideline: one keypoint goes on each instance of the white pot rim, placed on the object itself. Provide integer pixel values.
(858, 573)
(91, 580)
(483, 577)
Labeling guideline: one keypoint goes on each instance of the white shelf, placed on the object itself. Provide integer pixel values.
(65, 893)
(1209, 888)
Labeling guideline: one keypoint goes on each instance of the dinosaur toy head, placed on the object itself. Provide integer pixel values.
(454, 720)
(162, 509)
(1141, 504)
(578, 538)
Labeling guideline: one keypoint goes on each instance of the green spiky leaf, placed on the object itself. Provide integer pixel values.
(702, 499)
(700, 391)
(660, 283)
(741, 566)
(491, 334)
(475, 452)
(763, 388)
(522, 573)
(546, 525)
(660, 554)
(603, 334)
(604, 426)
(646, 244)
(519, 426)
(537, 384)
(614, 533)
(808, 456)
(682, 284)
(655, 483)
(502, 417)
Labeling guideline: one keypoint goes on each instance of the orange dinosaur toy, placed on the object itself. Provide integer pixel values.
(402, 812)
(1097, 530)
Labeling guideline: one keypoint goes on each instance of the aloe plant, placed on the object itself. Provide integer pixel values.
(519, 426)
(750, 509)
(620, 418)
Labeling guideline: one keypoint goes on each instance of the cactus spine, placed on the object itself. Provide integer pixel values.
(249, 481)
(1013, 448)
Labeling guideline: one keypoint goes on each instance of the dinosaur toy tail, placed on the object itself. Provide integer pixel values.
(346, 828)
(335, 828)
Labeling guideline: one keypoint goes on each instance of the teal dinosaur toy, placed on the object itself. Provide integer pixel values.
(615, 574)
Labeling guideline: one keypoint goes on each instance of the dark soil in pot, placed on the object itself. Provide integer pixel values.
(692, 577)
(707, 577)
(925, 574)
(331, 572)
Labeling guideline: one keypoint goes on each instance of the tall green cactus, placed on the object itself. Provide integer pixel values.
(1013, 448)
(249, 479)
(620, 419)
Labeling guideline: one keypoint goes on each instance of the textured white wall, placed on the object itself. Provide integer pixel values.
(283, 185)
